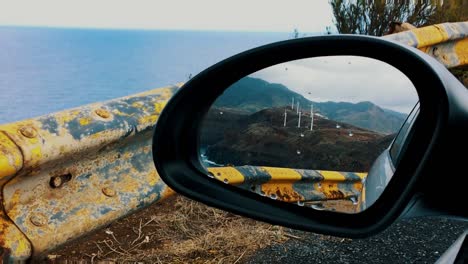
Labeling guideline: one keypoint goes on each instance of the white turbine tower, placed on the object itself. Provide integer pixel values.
(297, 111)
(285, 116)
(292, 105)
(311, 117)
(299, 122)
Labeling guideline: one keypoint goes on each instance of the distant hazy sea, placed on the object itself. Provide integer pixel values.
(43, 70)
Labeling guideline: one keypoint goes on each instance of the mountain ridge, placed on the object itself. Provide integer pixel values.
(254, 94)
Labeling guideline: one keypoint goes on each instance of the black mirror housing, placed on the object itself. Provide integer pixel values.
(442, 122)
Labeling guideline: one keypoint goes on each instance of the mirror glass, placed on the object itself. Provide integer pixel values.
(308, 131)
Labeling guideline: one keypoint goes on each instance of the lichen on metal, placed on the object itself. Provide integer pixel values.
(12, 240)
(447, 42)
(77, 170)
(292, 185)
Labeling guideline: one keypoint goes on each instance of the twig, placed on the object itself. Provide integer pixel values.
(159, 261)
(146, 240)
(114, 250)
(109, 232)
(237, 260)
(293, 236)
(149, 221)
(100, 249)
(139, 234)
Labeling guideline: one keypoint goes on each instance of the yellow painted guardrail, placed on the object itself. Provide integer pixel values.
(447, 42)
(66, 174)
(293, 185)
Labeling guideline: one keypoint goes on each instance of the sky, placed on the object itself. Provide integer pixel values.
(224, 15)
(356, 83)
(345, 79)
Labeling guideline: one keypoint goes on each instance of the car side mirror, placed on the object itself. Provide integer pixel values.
(328, 134)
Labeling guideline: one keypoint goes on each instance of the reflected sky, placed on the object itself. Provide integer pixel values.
(345, 79)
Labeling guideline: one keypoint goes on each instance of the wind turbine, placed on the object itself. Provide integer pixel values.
(285, 116)
(299, 121)
(311, 117)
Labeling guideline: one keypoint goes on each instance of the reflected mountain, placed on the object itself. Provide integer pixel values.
(239, 138)
(250, 95)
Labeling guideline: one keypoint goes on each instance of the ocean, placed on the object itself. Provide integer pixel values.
(44, 70)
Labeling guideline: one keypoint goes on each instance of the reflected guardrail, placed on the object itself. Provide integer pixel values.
(293, 185)
(66, 174)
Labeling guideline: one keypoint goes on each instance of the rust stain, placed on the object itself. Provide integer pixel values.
(102, 113)
(28, 132)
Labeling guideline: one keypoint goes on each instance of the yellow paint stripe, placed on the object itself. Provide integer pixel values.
(361, 175)
(430, 35)
(11, 159)
(282, 174)
(332, 176)
(230, 174)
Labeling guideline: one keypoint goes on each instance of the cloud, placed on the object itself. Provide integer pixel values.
(244, 15)
(345, 79)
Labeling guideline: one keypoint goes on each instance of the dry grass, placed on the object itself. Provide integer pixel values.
(177, 230)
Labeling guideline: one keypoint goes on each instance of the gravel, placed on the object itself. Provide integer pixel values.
(416, 240)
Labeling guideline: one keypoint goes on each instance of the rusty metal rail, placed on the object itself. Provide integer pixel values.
(66, 174)
(293, 185)
(447, 42)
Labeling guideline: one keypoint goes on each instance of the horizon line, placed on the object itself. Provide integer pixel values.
(156, 29)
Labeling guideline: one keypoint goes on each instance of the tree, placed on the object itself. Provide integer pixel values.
(375, 17)
(449, 11)
(295, 33)
(378, 17)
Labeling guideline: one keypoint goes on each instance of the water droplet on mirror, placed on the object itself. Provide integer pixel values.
(317, 207)
(298, 152)
(262, 193)
(302, 135)
(354, 200)
(226, 181)
(210, 175)
(220, 113)
(300, 203)
(273, 196)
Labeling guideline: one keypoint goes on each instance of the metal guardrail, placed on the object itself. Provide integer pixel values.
(293, 185)
(66, 174)
(447, 42)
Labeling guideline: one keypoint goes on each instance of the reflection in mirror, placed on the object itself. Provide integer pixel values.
(308, 131)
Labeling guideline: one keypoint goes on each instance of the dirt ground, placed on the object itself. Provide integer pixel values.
(179, 230)
(176, 230)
